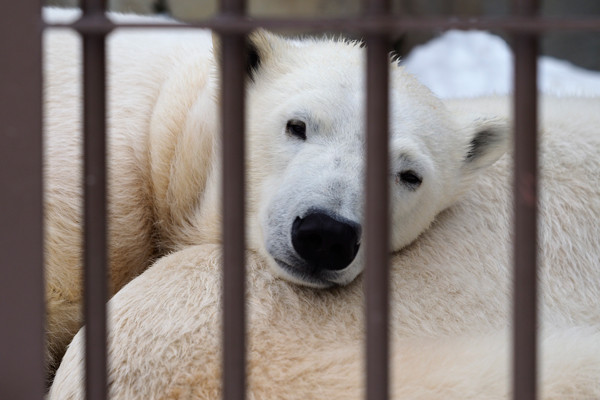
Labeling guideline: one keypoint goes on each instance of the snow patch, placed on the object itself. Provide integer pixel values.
(477, 63)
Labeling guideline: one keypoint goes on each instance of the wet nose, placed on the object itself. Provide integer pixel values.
(325, 243)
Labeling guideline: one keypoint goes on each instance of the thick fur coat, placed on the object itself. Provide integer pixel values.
(450, 222)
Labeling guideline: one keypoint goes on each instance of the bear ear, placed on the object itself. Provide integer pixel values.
(259, 49)
(488, 140)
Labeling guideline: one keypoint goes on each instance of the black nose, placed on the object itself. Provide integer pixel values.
(325, 243)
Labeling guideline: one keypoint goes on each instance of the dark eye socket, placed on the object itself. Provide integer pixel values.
(296, 128)
(410, 178)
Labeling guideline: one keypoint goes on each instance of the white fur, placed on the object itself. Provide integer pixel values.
(134, 240)
(450, 287)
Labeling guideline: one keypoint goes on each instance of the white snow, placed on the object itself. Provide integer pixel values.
(477, 63)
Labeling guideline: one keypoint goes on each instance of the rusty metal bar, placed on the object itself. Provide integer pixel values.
(376, 213)
(233, 58)
(95, 208)
(22, 372)
(375, 24)
(525, 189)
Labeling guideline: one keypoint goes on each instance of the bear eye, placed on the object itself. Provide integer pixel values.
(296, 128)
(410, 178)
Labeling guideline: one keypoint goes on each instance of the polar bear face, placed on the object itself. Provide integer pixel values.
(305, 119)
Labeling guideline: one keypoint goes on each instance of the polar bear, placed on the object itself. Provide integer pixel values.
(305, 196)
(450, 231)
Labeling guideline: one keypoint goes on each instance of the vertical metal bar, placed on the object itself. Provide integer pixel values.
(95, 229)
(95, 277)
(93, 7)
(376, 222)
(22, 371)
(525, 187)
(233, 59)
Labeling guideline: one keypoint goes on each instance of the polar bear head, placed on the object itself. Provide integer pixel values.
(306, 133)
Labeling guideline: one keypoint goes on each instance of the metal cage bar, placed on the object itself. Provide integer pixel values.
(22, 372)
(376, 212)
(233, 59)
(95, 207)
(525, 209)
(374, 24)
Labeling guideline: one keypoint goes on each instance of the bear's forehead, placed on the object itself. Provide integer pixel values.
(326, 76)
(340, 65)
(326, 80)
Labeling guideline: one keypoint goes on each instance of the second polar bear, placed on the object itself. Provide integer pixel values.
(305, 159)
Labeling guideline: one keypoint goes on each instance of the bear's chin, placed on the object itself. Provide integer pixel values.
(294, 275)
